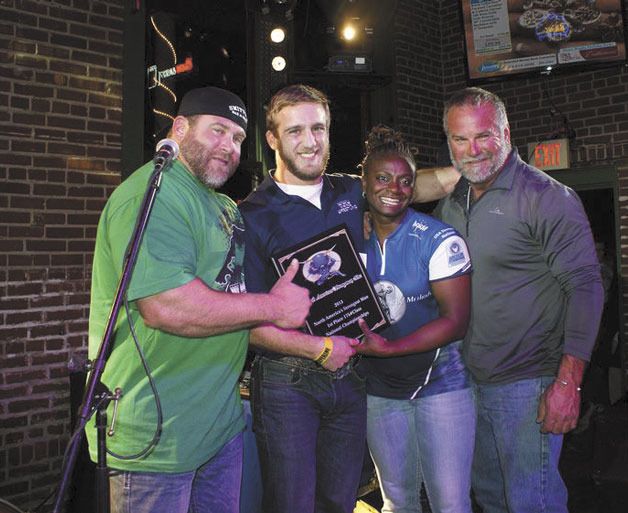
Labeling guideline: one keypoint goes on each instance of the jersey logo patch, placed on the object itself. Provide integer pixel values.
(392, 300)
(454, 254)
(345, 206)
(419, 226)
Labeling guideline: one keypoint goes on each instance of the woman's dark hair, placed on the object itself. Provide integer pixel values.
(383, 141)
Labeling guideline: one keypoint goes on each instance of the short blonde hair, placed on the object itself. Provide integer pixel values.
(293, 95)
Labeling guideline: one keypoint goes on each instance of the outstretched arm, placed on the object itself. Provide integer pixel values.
(297, 343)
(195, 310)
(453, 297)
(431, 184)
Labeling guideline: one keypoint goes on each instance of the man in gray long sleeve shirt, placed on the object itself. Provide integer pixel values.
(536, 305)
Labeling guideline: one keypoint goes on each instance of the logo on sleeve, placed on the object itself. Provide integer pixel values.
(455, 255)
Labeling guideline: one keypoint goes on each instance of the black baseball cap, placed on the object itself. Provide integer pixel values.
(216, 102)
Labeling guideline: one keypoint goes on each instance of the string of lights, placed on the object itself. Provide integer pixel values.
(156, 76)
(166, 40)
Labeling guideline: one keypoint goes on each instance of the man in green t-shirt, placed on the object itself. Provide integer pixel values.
(181, 340)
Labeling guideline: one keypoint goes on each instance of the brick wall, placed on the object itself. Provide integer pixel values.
(418, 83)
(60, 124)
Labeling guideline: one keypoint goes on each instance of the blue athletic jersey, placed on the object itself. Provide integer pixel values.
(421, 250)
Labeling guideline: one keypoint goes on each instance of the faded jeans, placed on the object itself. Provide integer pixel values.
(428, 439)
(515, 467)
(214, 487)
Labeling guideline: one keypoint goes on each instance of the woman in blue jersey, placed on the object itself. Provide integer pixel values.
(421, 417)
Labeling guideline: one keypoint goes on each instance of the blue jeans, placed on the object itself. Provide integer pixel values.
(213, 487)
(310, 431)
(251, 491)
(429, 440)
(515, 467)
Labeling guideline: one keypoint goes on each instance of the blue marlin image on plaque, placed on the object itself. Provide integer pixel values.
(340, 291)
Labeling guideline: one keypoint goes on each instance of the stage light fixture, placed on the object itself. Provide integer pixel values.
(278, 63)
(277, 35)
(349, 32)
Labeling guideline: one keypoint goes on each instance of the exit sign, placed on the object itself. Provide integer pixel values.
(548, 155)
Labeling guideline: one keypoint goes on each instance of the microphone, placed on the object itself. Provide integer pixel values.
(166, 151)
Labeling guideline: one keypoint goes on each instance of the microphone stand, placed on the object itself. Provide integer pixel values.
(98, 366)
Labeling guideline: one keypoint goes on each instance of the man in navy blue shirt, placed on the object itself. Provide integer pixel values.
(309, 405)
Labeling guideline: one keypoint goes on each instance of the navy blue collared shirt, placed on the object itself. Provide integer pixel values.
(275, 221)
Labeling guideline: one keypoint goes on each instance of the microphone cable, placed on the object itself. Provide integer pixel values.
(149, 375)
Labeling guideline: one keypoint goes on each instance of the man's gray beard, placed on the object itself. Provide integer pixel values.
(197, 156)
(211, 181)
(473, 179)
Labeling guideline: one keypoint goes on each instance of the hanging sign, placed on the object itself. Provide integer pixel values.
(549, 155)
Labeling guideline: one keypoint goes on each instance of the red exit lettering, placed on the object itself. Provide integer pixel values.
(547, 155)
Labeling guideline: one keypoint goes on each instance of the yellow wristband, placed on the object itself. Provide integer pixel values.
(326, 352)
